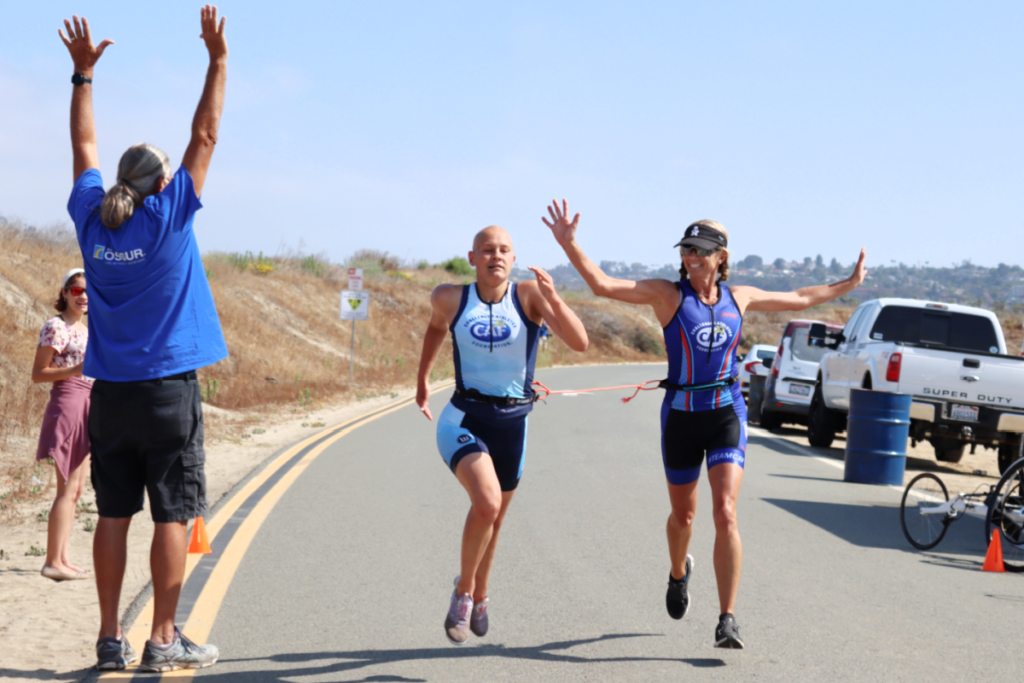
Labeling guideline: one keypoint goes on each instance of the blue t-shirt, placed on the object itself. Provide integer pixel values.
(151, 312)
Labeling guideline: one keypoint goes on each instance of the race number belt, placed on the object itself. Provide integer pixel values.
(665, 384)
(475, 395)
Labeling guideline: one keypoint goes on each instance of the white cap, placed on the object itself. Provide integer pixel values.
(71, 273)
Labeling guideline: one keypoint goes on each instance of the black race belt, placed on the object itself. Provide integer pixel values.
(708, 386)
(476, 396)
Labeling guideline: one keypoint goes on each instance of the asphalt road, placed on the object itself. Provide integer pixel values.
(349, 577)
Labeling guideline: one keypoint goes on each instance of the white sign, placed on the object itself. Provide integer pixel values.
(355, 279)
(355, 305)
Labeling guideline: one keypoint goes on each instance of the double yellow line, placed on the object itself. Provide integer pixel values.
(207, 605)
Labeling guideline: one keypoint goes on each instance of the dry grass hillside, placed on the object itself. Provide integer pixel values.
(289, 350)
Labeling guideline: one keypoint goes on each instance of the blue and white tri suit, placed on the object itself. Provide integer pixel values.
(495, 350)
(701, 343)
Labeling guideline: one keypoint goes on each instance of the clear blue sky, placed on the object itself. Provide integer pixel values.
(804, 127)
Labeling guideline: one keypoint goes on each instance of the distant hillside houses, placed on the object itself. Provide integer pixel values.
(1000, 288)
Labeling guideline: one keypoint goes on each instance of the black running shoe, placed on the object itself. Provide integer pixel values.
(727, 634)
(677, 599)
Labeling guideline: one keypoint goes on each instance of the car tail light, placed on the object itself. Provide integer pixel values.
(777, 359)
(892, 373)
(750, 366)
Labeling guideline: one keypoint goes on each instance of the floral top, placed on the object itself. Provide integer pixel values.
(68, 342)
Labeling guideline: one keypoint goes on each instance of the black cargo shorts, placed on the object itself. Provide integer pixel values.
(148, 436)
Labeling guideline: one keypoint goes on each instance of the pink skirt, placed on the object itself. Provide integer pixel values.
(65, 433)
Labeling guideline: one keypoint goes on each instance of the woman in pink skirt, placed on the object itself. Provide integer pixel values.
(65, 433)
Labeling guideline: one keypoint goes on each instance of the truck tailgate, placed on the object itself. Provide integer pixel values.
(962, 377)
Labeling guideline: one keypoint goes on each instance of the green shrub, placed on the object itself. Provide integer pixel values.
(259, 264)
(314, 266)
(209, 394)
(457, 265)
(373, 262)
(644, 342)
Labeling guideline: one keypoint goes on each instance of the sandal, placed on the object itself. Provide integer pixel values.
(56, 575)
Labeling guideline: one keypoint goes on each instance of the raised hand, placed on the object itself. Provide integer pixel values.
(562, 228)
(545, 283)
(859, 271)
(79, 43)
(213, 35)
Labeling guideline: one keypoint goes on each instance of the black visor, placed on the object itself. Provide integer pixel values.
(704, 237)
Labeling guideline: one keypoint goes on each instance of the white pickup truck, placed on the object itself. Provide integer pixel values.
(952, 359)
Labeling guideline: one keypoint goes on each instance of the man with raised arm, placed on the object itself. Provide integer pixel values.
(495, 325)
(152, 324)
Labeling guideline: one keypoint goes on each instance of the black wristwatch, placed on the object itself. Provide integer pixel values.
(79, 79)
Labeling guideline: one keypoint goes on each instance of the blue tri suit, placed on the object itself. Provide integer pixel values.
(701, 343)
(495, 350)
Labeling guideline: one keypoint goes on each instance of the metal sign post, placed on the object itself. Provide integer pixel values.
(355, 305)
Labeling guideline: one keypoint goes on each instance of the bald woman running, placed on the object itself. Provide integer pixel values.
(495, 325)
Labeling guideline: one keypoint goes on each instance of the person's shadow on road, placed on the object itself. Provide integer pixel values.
(359, 659)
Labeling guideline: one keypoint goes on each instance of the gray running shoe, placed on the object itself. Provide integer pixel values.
(182, 654)
(478, 619)
(727, 635)
(457, 621)
(114, 654)
(677, 597)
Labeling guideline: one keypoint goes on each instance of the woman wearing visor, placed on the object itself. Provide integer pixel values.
(703, 414)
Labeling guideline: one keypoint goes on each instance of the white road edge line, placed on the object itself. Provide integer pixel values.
(797, 449)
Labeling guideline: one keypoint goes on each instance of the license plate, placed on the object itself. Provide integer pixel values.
(801, 390)
(967, 413)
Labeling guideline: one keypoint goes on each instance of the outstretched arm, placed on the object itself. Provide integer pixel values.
(78, 41)
(661, 294)
(444, 301)
(754, 299)
(546, 305)
(206, 122)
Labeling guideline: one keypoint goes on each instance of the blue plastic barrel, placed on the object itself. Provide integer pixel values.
(876, 437)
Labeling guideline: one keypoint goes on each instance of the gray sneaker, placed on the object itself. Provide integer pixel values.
(478, 619)
(114, 654)
(457, 621)
(727, 635)
(181, 654)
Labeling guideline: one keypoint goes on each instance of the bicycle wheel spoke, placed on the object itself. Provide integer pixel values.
(921, 512)
(1007, 515)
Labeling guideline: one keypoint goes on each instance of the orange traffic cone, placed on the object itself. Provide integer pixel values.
(200, 545)
(994, 556)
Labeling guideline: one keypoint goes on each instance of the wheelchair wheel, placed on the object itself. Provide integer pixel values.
(924, 493)
(1006, 513)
